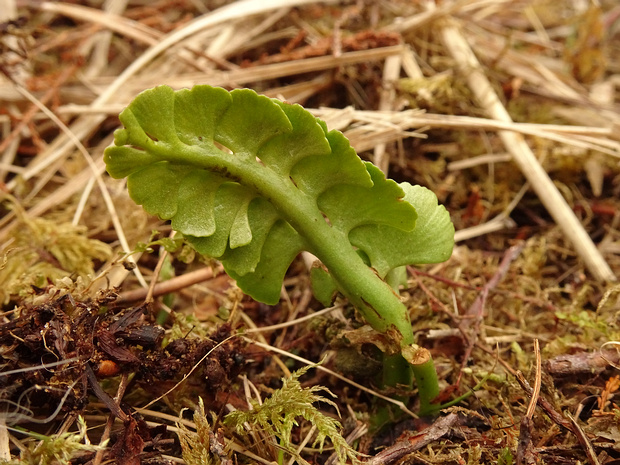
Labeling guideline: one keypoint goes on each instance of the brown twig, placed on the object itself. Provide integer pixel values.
(160, 263)
(584, 441)
(172, 285)
(524, 449)
(558, 418)
(537, 382)
(570, 424)
(416, 441)
(475, 313)
(476, 308)
(581, 363)
(112, 404)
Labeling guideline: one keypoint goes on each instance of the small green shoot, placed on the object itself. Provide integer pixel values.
(197, 448)
(505, 457)
(253, 181)
(277, 415)
(54, 449)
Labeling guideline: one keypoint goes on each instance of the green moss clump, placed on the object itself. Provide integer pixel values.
(41, 252)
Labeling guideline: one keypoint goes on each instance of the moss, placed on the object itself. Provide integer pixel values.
(41, 252)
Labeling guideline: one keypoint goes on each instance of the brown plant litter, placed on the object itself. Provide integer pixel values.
(117, 343)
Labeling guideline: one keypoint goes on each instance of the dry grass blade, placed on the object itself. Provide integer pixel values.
(95, 171)
(524, 451)
(524, 157)
(239, 9)
(240, 77)
(111, 21)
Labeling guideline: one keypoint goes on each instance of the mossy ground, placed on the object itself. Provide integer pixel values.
(70, 302)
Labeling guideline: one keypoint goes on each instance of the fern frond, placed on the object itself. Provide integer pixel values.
(279, 414)
(54, 449)
(265, 197)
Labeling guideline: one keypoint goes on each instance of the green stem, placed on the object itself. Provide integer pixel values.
(425, 377)
(396, 371)
(376, 300)
(373, 297)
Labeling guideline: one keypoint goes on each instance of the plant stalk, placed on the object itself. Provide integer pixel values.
(373, 297)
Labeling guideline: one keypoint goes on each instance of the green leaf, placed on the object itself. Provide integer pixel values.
(431, 241)
(364, 205)
(324, 287)
(278, 250)
(253, 181)
(230, 213)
